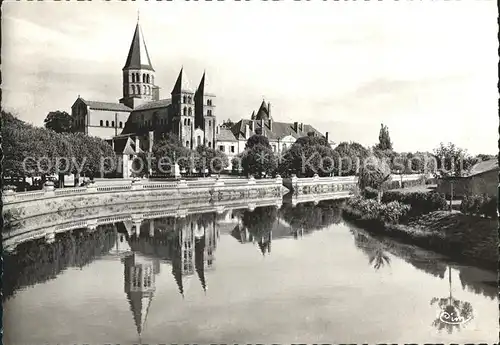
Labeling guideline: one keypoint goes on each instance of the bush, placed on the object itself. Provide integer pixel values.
(369, 209)
(370, 193)
(479, 205)
(420, 202)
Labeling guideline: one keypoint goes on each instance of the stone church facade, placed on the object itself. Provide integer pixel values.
(141, 115)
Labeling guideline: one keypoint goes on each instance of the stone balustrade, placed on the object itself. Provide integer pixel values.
(28, 204)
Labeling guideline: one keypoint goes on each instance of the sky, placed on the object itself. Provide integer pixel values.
(428, 69)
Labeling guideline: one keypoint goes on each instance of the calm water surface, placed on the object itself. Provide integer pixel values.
(282, 275)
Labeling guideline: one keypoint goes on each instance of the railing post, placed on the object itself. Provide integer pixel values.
(137, 184)
(251, 180)
(49, 189)
(91, 187)
(218, 182)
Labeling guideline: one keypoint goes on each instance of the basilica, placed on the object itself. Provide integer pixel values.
(141, 117)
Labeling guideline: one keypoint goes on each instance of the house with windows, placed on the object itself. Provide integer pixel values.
(281, 135)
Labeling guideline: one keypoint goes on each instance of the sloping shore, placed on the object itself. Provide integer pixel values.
(464, 238)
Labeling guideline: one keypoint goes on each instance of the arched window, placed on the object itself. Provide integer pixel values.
(189, 120)
(101, 123)
(189, 112)
(209, 123)
(132, 78)
(133, 89)
(184, 111)
(187, 143)
(185, 122)
(121, 124)
(112, 123)
(209, 145)
(144, 77)
(198, 140)
(107, 123)
(145, 90)
(147, 78)
(209, 112)
(137, 77)
(149, 90)
(138, 89)
(209, 102)
(184, 99)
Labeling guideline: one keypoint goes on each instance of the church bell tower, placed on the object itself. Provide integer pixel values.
(138, 73)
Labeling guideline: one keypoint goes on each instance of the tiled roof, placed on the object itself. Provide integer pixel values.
(226, 135)
(106, 106)
(279, 129)
(182, 83)
(162, 103)
(484, 166)
(138, 57)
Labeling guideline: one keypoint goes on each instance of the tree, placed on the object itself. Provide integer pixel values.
(59, 121)
(453, 160)
(259, 161)
(374, 173)
(257, 139)
(169, 150)
(384, 140)
(351, 156)
(308, 156)
(228, 124)
(213, 160)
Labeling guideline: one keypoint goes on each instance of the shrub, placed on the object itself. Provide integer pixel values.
(370, 193)
(369, 209)
(420, 202)
(479, 205)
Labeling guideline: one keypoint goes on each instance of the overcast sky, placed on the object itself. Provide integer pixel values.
(428, 70)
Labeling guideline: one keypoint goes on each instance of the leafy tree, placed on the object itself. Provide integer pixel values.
(384, 140)
(59, 121)
(213, 160)
(352, 156)
(374, 173)
(257, 139)
(452, 160)
(227, 124)
(259, 160)
(308, 156)
(169, 150)
(260, 221)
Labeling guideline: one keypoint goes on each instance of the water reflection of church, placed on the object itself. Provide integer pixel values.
(143, 245)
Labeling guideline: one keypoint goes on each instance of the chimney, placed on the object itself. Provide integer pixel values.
(217, 129)
(269, 109)
(137, 144)
(247, 131)
(151, 141)
(301, 127)
(296, 127)
(326, 136)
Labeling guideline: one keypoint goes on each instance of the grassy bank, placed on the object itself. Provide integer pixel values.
(464, 238)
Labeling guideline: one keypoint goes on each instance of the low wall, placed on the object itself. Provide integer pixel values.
(48, 225)
(346, 184)
(18, 206)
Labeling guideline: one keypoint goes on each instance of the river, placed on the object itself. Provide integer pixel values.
(295, 274)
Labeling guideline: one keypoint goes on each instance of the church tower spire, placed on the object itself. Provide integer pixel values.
(138, 72)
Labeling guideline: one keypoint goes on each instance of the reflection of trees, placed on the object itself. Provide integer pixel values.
(260, 221)
(454, 313)
(308, 216)
(37, 261)
(373, 249)
(479, 282)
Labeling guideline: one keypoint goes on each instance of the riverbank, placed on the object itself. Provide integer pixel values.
(462, 237)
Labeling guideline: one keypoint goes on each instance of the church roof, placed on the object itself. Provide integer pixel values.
(204, 87)
(279, 129)
(138, 57)
(96, 105)
(139, 304)
(182, 84)
(162, 103)
(263, 112)
(199, 261)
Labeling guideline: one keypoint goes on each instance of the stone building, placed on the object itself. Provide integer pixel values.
(189, 112)
(281, 135)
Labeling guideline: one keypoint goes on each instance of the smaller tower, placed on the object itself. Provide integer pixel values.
(183, 110)
(205, 112)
